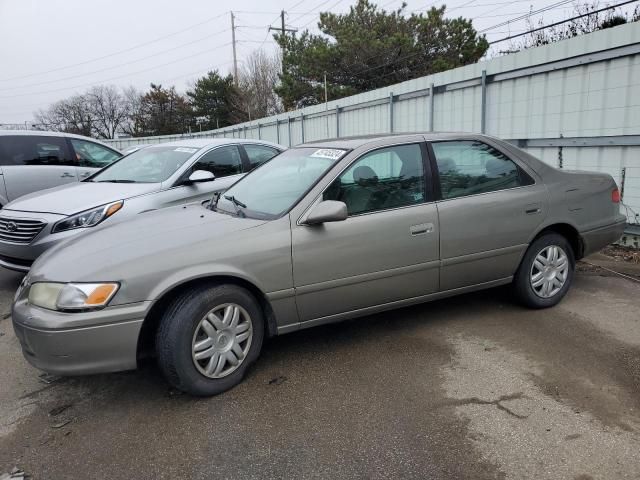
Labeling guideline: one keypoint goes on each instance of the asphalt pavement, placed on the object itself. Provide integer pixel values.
(471, 387)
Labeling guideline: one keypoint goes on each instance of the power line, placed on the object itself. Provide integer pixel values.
(116, 53)
(328, 9)
(563, 21)
(544, 9)
(177, 47)
(181, 76)
(120, 76)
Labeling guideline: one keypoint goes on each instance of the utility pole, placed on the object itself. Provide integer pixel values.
(233, 41)
(283, 29)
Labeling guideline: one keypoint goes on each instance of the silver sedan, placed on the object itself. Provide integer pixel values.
(149, 178)
(321, 233)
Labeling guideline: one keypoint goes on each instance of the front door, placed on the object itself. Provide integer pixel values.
(226, 165)
(488, 208)
(386, 250)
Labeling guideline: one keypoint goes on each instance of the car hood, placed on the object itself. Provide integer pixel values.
(76, 197)
(150, 243)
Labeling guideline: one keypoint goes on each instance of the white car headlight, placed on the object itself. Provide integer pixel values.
(88, 218)
(71, 296)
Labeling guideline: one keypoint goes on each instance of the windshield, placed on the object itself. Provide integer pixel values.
(275, 187)
(149, 165)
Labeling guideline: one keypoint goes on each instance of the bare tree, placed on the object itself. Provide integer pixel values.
(109, 110)
(258, 78)
(72, 115)
(134, 123)
(590, 20)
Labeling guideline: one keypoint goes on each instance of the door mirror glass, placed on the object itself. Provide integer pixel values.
(327, 211)
(200, 176)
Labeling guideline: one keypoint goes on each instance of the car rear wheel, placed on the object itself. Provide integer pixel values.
(208, 338)
(546, 271)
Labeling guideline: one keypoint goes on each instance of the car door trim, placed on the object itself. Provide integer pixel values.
(446, 262)
(365, 277)
(360, 312)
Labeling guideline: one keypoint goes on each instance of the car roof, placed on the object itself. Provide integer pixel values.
(44, 133)
(214, 142)
(355, 142)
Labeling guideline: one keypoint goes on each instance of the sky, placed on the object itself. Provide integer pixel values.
(52, 49)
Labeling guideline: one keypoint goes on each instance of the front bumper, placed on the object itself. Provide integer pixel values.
(19, 256)
(79, 343)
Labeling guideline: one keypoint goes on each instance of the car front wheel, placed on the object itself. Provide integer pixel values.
(208, 337)
(546, 271)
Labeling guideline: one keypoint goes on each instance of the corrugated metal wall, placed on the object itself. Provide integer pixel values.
(574, 104)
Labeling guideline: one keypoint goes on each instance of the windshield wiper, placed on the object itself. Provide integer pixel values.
(116, 181)
(235, 201)
(237, 204)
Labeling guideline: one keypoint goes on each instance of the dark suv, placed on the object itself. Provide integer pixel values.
(31, 161)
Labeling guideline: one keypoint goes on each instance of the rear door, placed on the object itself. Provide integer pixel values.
(385, 251)
(91, 156)
(489, 205)
(35, 162)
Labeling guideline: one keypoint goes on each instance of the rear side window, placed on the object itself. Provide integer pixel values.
(471, 167)
(91, 154)
(222, 161)
(258, 154)
(34, 150)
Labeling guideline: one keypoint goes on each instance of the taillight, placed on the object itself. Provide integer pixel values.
(615, 195)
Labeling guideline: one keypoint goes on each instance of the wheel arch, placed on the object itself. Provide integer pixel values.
(568, 231)
(146, 338)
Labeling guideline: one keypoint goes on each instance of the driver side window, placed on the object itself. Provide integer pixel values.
(222, 161)
(387, 178)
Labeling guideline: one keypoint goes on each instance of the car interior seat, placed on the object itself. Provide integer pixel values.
(358, 197)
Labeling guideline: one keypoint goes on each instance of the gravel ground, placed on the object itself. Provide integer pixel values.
(470, 387)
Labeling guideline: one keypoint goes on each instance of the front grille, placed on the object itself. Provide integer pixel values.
(19, 230)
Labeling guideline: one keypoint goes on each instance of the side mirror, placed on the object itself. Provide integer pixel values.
(327, 211)
(200, 176)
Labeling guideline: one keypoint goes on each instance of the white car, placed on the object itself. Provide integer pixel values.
(32, 161)
(153, 177)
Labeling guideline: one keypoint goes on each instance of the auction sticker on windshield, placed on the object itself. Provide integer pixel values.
(331, 153)
(186, 150)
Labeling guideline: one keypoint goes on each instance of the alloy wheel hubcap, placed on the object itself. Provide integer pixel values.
(549, 271)
(222, 340)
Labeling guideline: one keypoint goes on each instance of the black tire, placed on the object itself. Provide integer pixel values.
(522, 284)
(176, 333)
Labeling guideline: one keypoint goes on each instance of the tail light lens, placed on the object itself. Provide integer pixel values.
(615, 195)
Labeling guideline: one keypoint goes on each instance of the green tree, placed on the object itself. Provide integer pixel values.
(163, 111)
(369, 48)
(215, 101)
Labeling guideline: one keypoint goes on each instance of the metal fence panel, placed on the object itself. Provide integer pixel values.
(585, 88)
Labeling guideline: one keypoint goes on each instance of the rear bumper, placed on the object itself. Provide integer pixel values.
(49, 344)
(596, 239)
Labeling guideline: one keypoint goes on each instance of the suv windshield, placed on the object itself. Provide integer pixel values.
(149, 165)
(273, 188)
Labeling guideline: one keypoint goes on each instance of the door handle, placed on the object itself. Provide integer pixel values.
(421, 229)
(85, 174)
(66, 175)
(532, 209)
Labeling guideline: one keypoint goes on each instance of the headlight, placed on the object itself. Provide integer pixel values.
(71, 296)
(89, 218)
